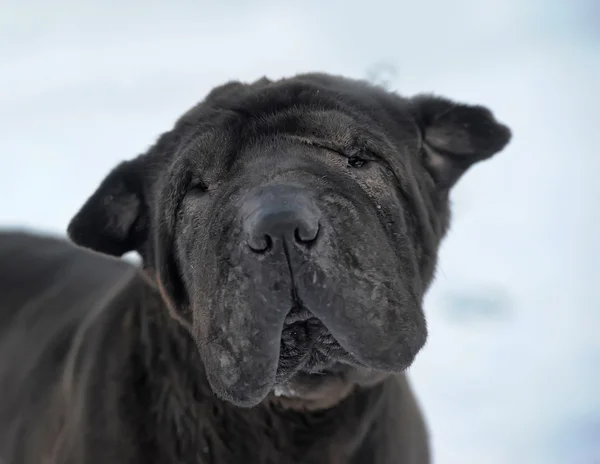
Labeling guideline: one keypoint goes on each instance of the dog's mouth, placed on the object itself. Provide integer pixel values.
(307, 346)
(269, 327)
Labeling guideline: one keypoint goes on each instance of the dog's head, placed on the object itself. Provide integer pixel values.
(295, 224)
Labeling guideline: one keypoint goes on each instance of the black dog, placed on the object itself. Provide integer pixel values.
(293, 229)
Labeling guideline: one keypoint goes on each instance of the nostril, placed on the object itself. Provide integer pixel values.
(306, 234)
(261, 244)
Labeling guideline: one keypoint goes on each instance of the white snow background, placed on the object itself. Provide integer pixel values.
(511, 370)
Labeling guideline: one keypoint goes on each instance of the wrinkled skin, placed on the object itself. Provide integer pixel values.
(327, 293)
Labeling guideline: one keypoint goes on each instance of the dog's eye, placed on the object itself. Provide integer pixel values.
(356, 161)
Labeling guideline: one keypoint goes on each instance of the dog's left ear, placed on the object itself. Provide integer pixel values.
(455, 136)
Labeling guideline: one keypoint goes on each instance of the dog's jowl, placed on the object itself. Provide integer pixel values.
(293, 228)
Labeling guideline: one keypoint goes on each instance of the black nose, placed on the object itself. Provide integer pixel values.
(280, 214)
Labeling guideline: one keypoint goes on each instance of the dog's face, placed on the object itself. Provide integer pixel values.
(295, 224)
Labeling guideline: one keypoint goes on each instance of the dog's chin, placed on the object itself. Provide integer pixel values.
(325, 389)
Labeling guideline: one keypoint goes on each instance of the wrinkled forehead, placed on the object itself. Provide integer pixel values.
(237, 138)
(224, 142)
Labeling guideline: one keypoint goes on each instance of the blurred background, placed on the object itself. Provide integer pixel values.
(511, 370)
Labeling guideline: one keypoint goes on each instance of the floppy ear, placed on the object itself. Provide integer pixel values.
(455, 136)
(114, 219)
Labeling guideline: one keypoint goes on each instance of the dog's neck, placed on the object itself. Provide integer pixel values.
(187, 423)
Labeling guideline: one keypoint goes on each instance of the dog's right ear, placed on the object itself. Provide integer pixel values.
(114, 220)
